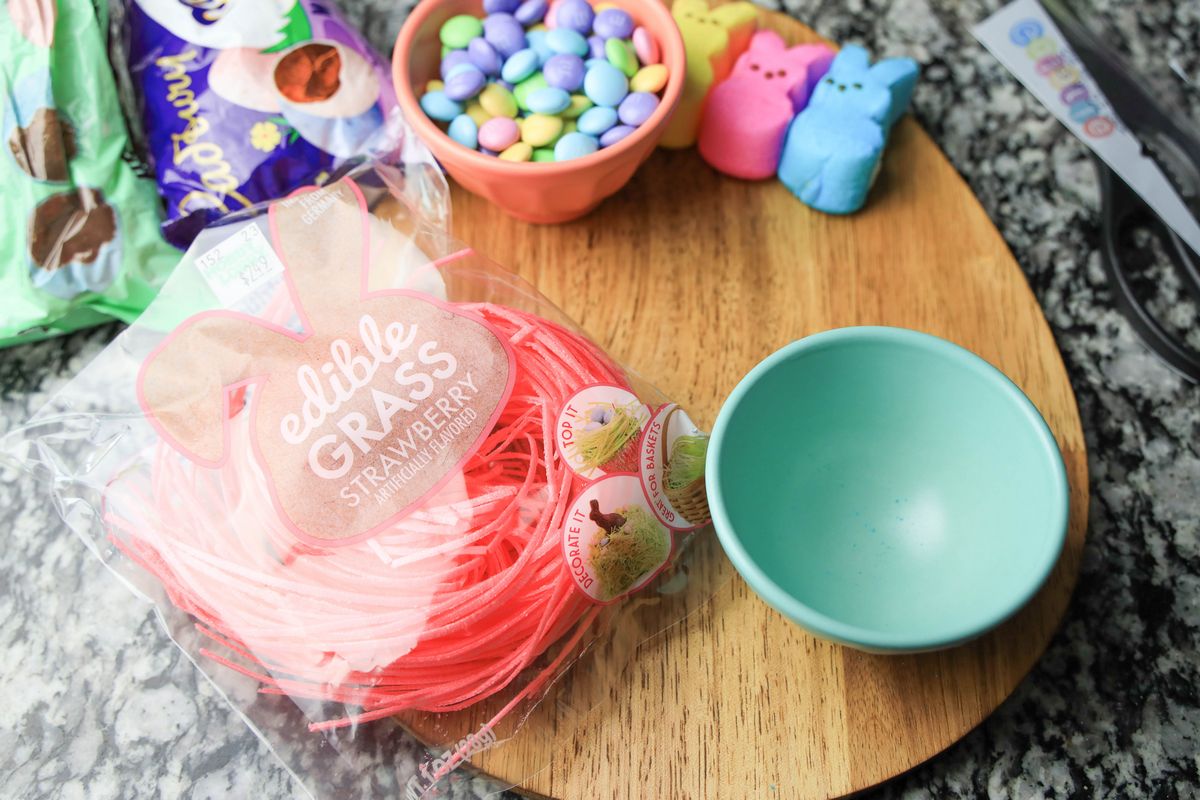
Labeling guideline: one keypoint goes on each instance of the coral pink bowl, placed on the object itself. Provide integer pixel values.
(535, 192)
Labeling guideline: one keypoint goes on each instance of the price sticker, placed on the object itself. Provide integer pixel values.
(239, 265)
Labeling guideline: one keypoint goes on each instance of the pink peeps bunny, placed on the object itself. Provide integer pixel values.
(747, 116)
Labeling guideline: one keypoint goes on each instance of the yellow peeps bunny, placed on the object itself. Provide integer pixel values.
(713, 40)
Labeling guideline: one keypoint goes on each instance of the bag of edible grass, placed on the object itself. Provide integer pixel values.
(79, 240)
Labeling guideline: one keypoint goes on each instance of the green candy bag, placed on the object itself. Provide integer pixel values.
(79, 239)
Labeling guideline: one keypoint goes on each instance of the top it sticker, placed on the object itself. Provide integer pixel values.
(598, 430)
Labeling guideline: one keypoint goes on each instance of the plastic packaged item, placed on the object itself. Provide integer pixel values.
(79, 242)
(364, 467)
(243, 101)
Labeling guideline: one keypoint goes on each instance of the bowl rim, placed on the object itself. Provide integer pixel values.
(434, 137)
(879, 640)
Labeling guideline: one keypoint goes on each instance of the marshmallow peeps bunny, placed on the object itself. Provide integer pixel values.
(747, 115)
(713, 39)
(834, 146)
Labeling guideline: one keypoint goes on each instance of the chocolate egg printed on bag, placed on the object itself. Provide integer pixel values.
(243, 101)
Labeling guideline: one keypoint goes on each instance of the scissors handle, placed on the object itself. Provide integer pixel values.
(1121, 205)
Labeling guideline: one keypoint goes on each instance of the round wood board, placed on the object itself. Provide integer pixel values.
(690, 278)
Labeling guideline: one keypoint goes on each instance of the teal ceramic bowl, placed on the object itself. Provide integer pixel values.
(886, 489)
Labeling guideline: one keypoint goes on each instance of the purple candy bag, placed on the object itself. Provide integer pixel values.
(244, 100)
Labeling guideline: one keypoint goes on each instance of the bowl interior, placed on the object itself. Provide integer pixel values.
(888, 488)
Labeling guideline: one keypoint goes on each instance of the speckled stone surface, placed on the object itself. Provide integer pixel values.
(96, 704)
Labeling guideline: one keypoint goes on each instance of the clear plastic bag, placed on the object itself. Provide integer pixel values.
(363, 470)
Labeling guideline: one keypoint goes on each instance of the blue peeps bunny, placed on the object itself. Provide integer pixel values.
(834, 146)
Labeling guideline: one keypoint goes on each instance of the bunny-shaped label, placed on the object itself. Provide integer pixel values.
(359, 418)
(747, 115)
(834, 146)
(712, 39)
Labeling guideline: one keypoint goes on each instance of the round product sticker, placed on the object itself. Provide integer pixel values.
(612, 542)
(599, 430)
(671, 468)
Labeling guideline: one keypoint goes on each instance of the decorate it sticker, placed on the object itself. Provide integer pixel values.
(599, 429)
(671, 468)
(612, 541)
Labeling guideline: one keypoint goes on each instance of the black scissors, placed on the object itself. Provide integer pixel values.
(1176, 149)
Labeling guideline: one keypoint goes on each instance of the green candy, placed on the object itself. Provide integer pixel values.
(543, 154)
(457, 32)
(621, 55)
(531, 84)
(579, 104)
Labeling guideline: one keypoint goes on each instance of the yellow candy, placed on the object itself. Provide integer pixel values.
(434, 86)
(713, 40)
(517, 152)
(601, 6)
(579, 104)
(539, 27)
(498, 101)
(540, 130)
(650, 79)
(477, 112)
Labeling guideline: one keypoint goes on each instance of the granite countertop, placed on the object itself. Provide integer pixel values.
(98, 705)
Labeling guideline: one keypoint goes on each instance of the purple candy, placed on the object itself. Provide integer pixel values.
(635, 109)
(484, 56)
(500, 6)
(596, 43)
(487, 152)
(504, 33)
(505, 84)
(452, 60)
(531, 11)
(564, 71)
(465, 84)
(614, 135)
(613, 23)
(574, 14)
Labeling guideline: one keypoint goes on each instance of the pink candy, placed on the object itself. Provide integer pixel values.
(645, 46)
(499, 133)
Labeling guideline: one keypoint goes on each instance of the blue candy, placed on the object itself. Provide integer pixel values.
(440, 107)
(520, 65)
(605, 85)
(464, 131)
(548, 101)
(575, 145)
(565, 40)
(537, 42)
(597, 120)
(834, 145)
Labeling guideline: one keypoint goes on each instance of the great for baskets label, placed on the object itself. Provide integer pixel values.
(354, 421)
(671, 465)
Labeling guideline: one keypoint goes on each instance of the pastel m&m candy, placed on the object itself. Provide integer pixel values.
(548, 101)
(544, 80)
(575, 145)
(464, 130)
(605, 85)
(458, 31)
(596, 121)
(498, 133)
(564, 71)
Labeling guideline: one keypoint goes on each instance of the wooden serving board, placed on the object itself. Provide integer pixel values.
(691, 278)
